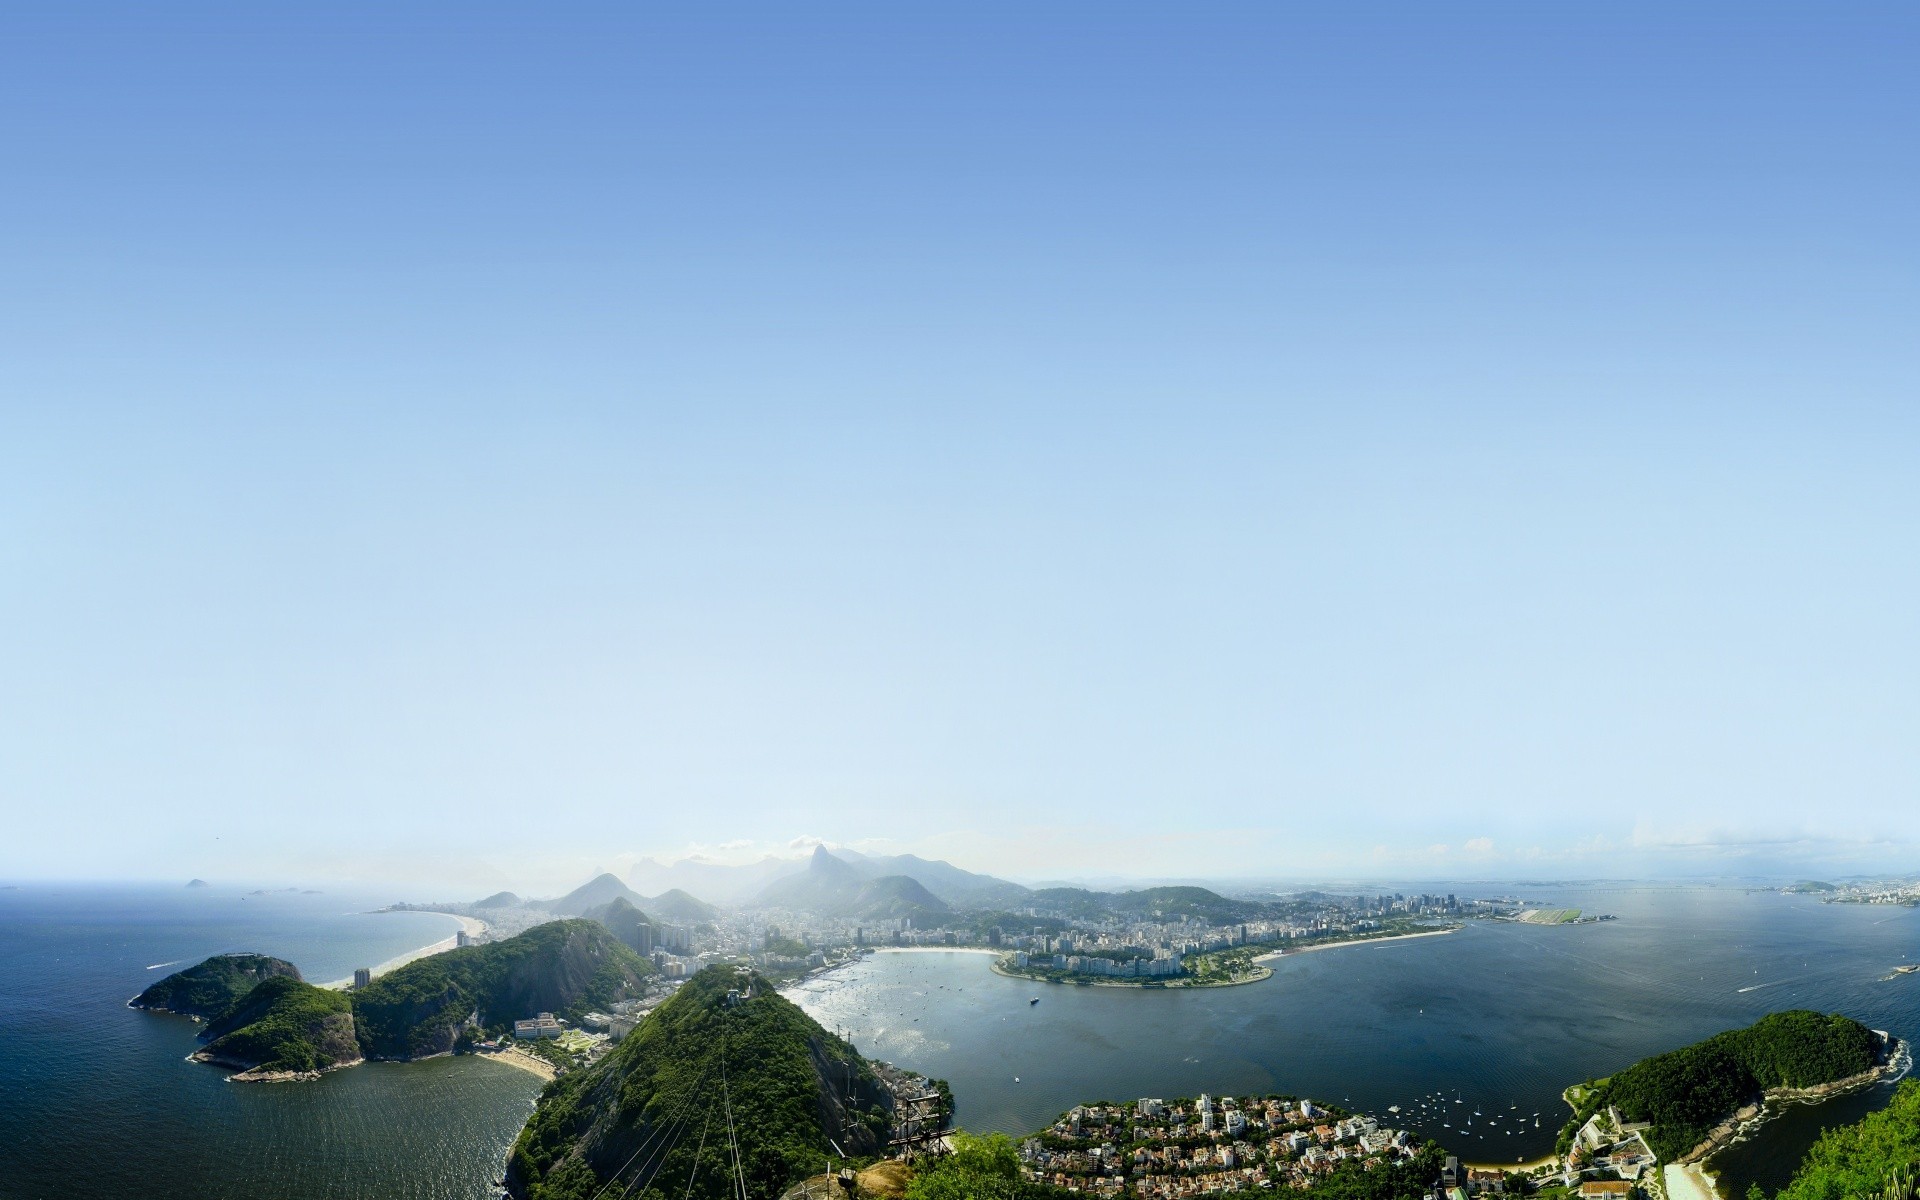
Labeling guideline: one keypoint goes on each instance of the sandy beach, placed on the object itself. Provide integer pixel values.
(1690, 1181)
(531, 1063)
(471, 926)
(1378, 941)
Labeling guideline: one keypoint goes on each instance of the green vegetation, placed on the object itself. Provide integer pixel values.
(1685, 1093)
(1352, 1181)
(1810, 887)
(677, 906)
(565, 967)
(1159, 904)
(625, 922)
(1876, 1156)
(211, 987)
(790, 1084)
(786, 947)
(980, 1168)
(1550, 916)
(282, 1024)
(1234, 965)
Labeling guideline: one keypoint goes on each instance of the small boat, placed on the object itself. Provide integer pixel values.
(1033, 1001)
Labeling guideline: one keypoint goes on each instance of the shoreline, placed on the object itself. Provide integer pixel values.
(1153, 985)
(473, 927)
(933, 950)
(1776, 1101)
(521, 1060)
(1523, 1168)
(1366, 941)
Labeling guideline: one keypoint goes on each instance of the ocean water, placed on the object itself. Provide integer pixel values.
(1494, 1020)
(98, 1100)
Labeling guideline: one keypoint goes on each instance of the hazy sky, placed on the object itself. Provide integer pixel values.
(490, 442)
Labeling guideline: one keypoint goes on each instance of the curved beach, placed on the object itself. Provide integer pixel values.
(473, 927)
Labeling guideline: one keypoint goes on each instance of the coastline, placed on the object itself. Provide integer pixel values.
(1689, 1181)
(933, 950)
(1371, 941)
(1773, 1102)
(520, 1059)
(1151, 985)
(473, 927)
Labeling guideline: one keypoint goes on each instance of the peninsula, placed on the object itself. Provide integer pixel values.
(269, 1025)
(1671, 1112)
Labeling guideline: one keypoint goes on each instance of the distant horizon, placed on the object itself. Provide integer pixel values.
(1290, 441)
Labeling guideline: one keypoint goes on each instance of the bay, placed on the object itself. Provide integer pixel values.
(99, 1100)
(1493, 1020)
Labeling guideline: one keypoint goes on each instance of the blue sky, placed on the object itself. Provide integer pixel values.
(1102, 439)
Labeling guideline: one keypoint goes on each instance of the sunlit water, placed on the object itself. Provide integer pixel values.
(97, 1100)
(1494, 1020)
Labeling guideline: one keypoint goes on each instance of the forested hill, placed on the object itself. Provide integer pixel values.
(1685, 1093)
(209, 988)
(283, 1025)
(1870, 1158)
(565, 967)
(640, 1116)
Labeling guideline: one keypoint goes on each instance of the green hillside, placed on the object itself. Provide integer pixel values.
(624, 921)
(1686, 1092)
(283, 1024)
(652, 1115)
(677, 906)
(566, 967)
(209, 988)
(1867, 1158)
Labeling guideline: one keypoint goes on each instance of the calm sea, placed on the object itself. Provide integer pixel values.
(97, 1100)
(1471, 1034)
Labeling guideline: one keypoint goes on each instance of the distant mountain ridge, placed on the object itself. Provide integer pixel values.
(831, 886)
(599, 890)
(752, 884)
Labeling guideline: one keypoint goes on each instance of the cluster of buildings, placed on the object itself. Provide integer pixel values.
(1164, 1150)
(1163, 964)
(1608, 1145)
(1902, 892)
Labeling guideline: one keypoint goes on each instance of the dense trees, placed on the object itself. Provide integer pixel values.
(565, 967)
(283, 1024)
(1686, 1092)
(209, 988)
(1866, 1158)
(654, 1111)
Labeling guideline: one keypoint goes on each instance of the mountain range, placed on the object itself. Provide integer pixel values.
(755, 884)
(673, 905)
(833, 887)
